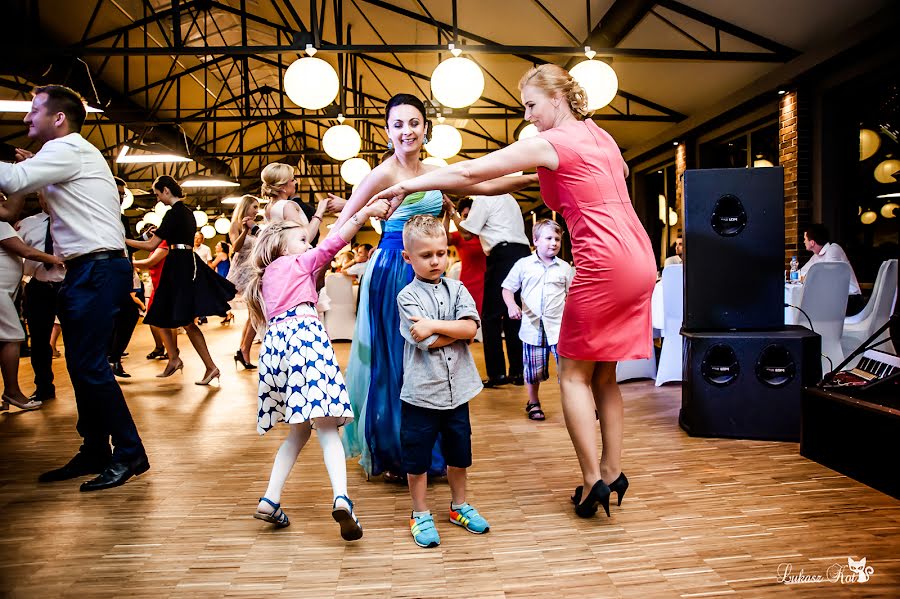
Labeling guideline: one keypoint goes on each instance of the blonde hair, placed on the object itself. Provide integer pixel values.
(270, 245)
(240, 211)
(421, 226)
(551, 79)
(542, 224)
(274, 177)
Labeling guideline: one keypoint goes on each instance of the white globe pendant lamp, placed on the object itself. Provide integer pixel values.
(200, 218)
(153, 218)
(140, 225)
(127, 201)
(311, 83)
(222, 225)
(160, 208)
(354, 170)
(208, 231)
(457, 82)
(341, 142)
(529, 130)
(599, 81)
(445, 143)
(434, 160)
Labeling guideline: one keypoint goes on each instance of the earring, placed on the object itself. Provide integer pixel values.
(390, 145)
(425, 139)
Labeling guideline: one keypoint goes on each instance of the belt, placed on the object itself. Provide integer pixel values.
(93, 257)
(184, 246)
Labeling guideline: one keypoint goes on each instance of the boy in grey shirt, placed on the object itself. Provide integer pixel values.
(438, 319)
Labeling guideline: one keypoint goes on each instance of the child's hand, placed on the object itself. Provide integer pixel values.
(514, 312)
(379, 208)
(422, 329)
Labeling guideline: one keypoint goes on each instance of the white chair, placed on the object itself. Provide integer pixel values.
(340, 319)
(825, 303)
(859, 327)
(673, 312)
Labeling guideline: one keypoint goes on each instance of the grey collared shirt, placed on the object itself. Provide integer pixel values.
(446, 377)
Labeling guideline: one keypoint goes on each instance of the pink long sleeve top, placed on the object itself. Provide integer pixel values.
(291, 280)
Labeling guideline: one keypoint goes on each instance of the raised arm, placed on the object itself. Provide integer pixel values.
(153, 259)
(466, 176)
(370, 184)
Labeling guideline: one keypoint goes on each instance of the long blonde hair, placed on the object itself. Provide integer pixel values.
(270, 245)
(553, 78)
(274, 177)
(240, 211)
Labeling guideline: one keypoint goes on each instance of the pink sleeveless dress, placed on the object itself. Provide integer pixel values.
(607, 313)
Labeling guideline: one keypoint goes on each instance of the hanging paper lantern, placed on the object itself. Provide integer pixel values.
(161, 208)
(153, 218)
(887, 211)
(869, 142)
(599, 81)
(868, 217)
(128, 200)
(311, 83)
(222, 225)
(884, 172)
(341, 142)
(435, 161)
(140, 225)
(208, 231)
(446, 141)
(457, 82)
(200, 218)
(354, 170)
(529, 130)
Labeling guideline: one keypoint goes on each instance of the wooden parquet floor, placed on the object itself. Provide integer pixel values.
(703, 517)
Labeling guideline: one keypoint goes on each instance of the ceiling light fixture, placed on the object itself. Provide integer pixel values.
(209, 182)
(529, 130)
(149, 158)
(25, 106)
(341, 142)
(311, 83)
(208, 231)
(355, 170)
(445, 143)
(599, 80)
(457, 82)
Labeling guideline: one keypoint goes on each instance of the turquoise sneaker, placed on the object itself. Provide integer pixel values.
(424, 532)
(469, 518)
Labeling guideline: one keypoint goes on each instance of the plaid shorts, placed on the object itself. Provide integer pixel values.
(536, 359)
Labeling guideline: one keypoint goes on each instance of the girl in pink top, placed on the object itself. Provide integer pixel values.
(300, 381)
(607, 314)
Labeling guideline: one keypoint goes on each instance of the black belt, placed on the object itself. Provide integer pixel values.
(93, 257)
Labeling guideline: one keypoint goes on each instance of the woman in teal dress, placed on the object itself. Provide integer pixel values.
(375, 371)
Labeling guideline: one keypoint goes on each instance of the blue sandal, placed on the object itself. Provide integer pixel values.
(350, 528)
(277, 517)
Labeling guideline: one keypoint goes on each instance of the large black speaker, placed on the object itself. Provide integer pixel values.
(747, 384)
(734, 249)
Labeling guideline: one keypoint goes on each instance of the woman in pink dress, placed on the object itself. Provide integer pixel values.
(607, 313)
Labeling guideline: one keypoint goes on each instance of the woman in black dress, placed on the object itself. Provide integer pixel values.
(188, 288)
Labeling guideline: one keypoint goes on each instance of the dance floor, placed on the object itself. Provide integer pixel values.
(702, 518)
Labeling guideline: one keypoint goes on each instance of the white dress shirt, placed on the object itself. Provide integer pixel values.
(673, 260)
(544, 288)
(832, 252)
(495, 219)
(204, 253)
(80, 192)
(33, 231)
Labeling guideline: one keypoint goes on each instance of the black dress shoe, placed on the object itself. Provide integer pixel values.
(80, 465)
(518, 380)
(116, 474)
(496, 381)
(119, 371)
(43, 395)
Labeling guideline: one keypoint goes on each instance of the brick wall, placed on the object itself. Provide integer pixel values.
(793, 156)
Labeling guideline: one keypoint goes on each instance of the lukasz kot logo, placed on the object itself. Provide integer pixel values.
(854, 572)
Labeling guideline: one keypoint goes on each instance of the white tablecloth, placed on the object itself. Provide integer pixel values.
(793, 293)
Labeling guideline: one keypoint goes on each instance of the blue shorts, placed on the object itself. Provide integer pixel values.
(420, 428)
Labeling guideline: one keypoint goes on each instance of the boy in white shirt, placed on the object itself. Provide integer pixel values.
(544, 282)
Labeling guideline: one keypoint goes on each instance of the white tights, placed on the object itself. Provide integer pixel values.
(332, 453)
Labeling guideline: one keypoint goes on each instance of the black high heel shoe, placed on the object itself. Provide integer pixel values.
(239, 357)
(620, 485)
(599, 495)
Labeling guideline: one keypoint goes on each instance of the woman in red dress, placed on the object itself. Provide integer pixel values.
(607, 314)
(471, 254)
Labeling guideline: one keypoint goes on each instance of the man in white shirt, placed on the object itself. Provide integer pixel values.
(497, 220)
(87, 233)
(362, 252)
(678, 258)
(817, 241)
(40, 300)
(201, 249)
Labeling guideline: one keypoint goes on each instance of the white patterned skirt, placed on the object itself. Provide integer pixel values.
(299, 377)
